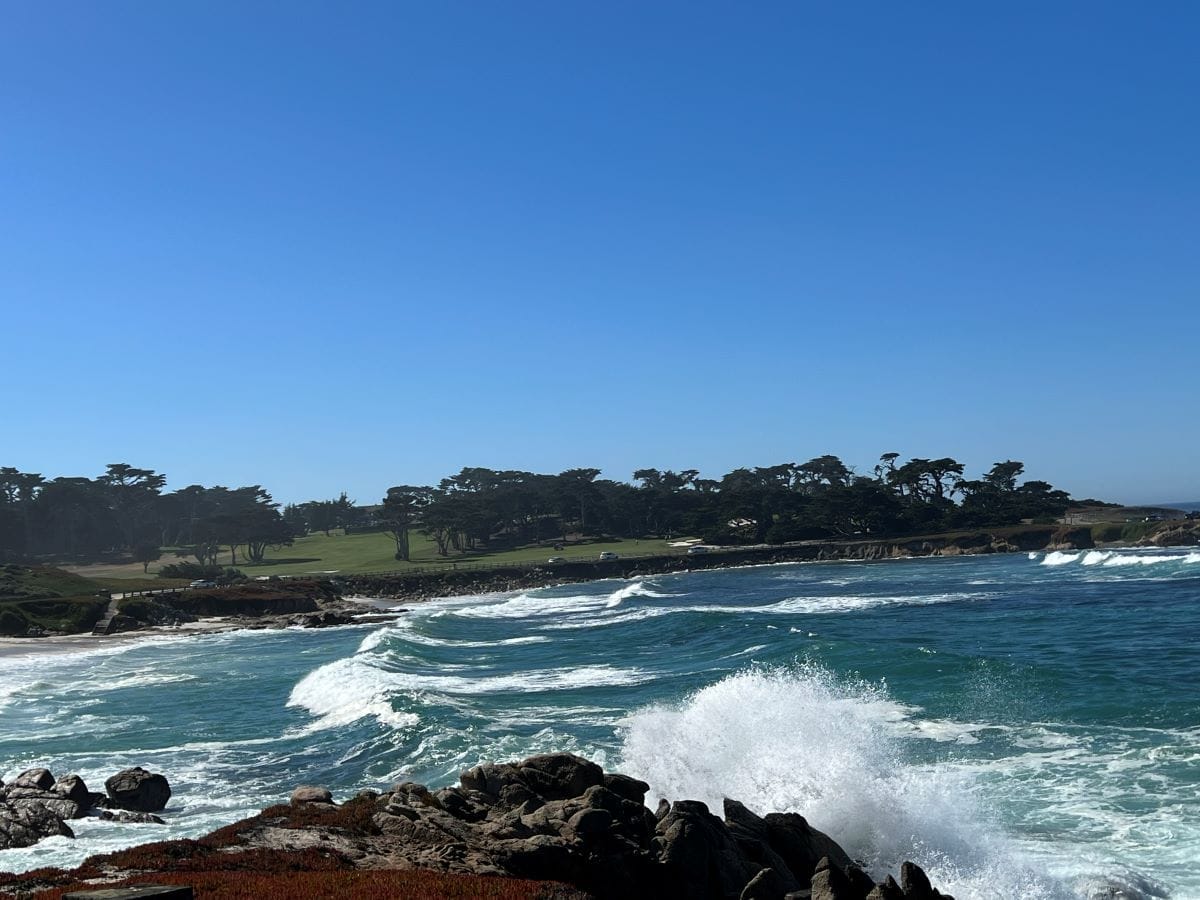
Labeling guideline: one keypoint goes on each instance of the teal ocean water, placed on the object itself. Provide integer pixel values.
(1024, 726)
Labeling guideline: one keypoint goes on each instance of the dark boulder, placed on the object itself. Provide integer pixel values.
(25, 825)
(915, 883)
(766, 885)
(32, 798)
(801, 846)
(310, 794)
(889, 890)
(559, 776)
(629, 788)
(701, 856)
(753, 837)
(138, 818)
(829, 882)
(41, 779)
(138, 790)
(72, 788)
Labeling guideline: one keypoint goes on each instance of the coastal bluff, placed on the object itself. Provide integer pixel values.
(556, 819)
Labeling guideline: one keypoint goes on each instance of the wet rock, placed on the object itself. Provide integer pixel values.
(701, 855)
(626, 787)
(766, 885)
(138, 790)
(73, 788)
(25, 825)
(137, 818)
(32, 798)
(915, 883)
(801, 846)
(829, 882)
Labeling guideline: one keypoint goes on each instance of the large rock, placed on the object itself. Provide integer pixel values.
(561, 818)
(73, 788)
(138, 790)
(25, 825)
(41, 779)
(32, 798)
(753, 837)
(701, 855)
(309, 794)
(801, 846)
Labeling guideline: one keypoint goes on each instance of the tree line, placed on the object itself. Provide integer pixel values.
(125, 511)
(821, 498)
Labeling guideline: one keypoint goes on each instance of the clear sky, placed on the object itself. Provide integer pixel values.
(339, 246)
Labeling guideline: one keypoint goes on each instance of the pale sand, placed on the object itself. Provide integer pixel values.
(82, 643)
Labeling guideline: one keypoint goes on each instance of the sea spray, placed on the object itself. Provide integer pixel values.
(798, 739)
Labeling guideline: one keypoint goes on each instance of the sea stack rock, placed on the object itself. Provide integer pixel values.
(138, 790)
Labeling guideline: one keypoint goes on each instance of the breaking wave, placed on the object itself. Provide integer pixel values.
(1118, 559)
(798, 739)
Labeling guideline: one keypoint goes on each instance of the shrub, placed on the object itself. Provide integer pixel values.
(12, 622)
(190, 571)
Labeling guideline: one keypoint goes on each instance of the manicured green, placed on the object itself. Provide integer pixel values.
(375, 552)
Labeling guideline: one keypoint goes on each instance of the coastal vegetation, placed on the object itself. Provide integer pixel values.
(125, 514)
(41, 599)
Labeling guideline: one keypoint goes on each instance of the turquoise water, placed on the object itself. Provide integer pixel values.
(1024, 726)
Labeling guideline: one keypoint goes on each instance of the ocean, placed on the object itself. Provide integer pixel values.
(1021, 726)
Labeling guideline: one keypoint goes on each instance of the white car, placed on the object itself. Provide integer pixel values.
(557, 559)
(697, 550)
(608, 556)
(202, 583)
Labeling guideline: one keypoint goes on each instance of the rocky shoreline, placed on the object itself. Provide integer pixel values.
(320, 602)
(36, 805)
(416, 586)
(554, 818)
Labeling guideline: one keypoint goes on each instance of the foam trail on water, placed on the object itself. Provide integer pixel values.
(1115, 559)
(347, 690)
(796, 739)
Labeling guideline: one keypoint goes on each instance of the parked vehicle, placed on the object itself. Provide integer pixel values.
(557, 559)
(697, 550)
(608, 556)
(202, 583)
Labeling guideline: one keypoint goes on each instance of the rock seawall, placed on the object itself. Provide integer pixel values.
(421, 585)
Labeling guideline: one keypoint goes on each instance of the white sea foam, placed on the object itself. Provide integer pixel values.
(797, 739)
(347, 690)
(1059, 558)
(407, 631)
(1149, 556)
(537, 604)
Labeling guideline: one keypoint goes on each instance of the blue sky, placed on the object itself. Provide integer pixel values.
(330, 247)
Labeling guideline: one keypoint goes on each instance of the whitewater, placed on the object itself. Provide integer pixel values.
(1021, 726)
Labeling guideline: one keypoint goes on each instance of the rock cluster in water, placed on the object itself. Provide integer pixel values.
(36, 805)
(562, 818)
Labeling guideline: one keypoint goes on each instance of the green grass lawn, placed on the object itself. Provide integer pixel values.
(375, 552)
